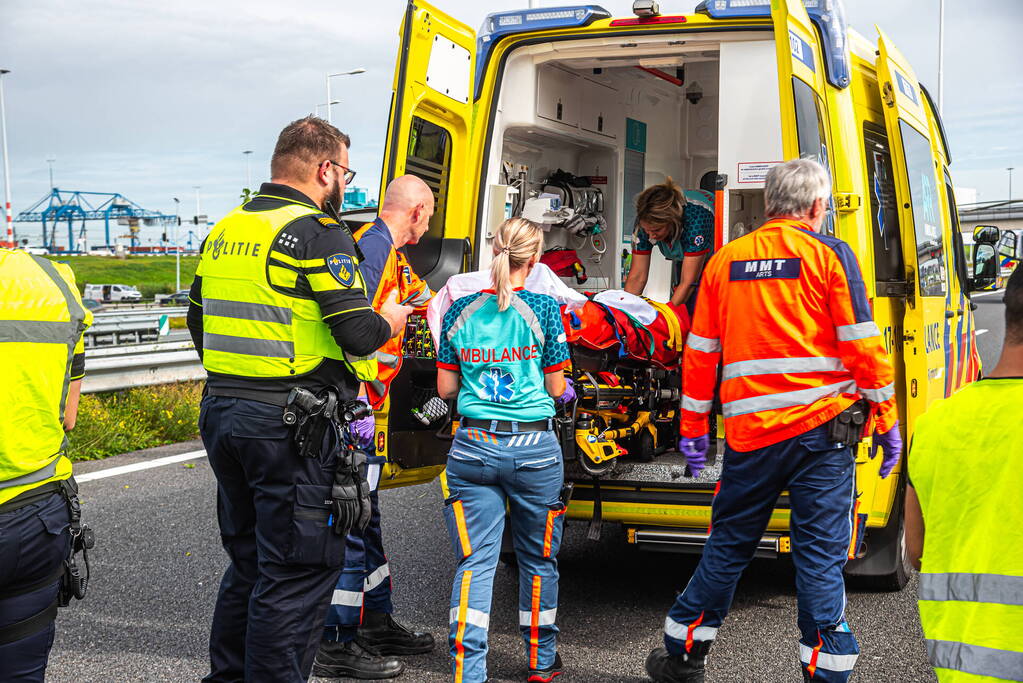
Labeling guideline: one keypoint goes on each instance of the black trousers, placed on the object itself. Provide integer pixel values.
(273, 507)
(34, 542)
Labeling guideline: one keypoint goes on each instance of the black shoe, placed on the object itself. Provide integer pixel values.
(665, 668)
(546, 675)
(352, 660)
(382, 633)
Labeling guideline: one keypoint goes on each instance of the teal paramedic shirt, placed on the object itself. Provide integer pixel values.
(502, 356)
(697, 236)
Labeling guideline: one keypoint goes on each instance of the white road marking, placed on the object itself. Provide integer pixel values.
(135, 467)
(994, 291)
(980, 332)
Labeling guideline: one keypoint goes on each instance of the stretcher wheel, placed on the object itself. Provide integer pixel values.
(645, 452)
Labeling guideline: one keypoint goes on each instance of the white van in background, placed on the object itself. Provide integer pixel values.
(112, 293)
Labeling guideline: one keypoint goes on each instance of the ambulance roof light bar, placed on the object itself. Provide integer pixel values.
(500, 24)
(827, 15)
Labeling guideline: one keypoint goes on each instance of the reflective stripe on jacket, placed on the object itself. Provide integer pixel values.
(41, 327)
(966, 467)
(785, 311)
(396, 276)
(249, 328)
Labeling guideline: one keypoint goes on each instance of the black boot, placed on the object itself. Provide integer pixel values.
(546, 675)
(685, 668)
(381, 632)
(352, 660)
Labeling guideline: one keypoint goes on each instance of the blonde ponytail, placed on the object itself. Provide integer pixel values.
(516, 242)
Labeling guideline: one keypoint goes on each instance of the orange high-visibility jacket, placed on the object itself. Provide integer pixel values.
(386, 271)
(785, 311)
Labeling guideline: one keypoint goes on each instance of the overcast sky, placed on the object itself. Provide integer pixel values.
(150, 99)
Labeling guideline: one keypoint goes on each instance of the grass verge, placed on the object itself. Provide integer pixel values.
(151, 274)
(124, 421)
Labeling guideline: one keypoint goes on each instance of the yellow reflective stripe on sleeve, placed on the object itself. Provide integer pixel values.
(349, 310)
(298, 263)
(282, 277)
(325, 282)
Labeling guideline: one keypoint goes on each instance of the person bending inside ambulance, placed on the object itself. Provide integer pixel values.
(360, 635)
(682, 225)
(502, 353)
(785, 312)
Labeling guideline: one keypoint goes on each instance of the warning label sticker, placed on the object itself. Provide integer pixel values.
(755, 171)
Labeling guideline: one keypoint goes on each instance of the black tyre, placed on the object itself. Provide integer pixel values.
(886, 566)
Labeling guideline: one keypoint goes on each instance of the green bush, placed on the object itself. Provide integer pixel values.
(119, 422)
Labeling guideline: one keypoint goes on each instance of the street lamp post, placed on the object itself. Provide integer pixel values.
(1010, 189)
(197, 188)
(7, 162)
(49, 162)
(248, 169)
(316, 108)
(177, 244)
(360, 70)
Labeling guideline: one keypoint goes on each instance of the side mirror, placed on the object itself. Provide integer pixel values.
(986, 233)
(985, 267)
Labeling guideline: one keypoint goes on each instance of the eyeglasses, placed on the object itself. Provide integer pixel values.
(349, 173)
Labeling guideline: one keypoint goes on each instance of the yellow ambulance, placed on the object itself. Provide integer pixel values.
(713, 99)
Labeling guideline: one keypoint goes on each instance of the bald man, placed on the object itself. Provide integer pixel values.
(360, 636)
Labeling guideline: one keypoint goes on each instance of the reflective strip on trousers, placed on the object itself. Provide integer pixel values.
(878, 395)
(467, 313)
(778, 366)
(41, 474)
(545, 618)
(678, 631)
(695, 405)
(347, 598)
(786, 399)
(37, 331)
(705, 344)
(247, 346)
(460, 620)
(530, 317)
(388, 359)
(857, 331)
(975, 659)
(246, 311)
(472, 616)
(376, 578)
(827, 660)
(994, 588)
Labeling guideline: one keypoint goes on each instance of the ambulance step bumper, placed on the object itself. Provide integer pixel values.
(693, 540)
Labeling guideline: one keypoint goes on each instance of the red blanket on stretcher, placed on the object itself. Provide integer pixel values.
(597, 326)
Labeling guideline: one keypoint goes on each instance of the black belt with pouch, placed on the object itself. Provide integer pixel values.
(847, 427)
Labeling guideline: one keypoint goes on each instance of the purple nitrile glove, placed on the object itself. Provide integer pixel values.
(363, 429)
(695, 452)
(568, 395)
(891, 445)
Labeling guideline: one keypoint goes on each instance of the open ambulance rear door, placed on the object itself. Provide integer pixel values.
(920, 217)
(430, 136)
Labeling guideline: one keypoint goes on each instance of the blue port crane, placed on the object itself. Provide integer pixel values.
(77, 207)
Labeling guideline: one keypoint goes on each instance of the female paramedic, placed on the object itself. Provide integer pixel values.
(682, 225)
(502, 353)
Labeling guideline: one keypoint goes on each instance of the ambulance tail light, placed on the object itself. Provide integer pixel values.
(501, 24)
(827, 15)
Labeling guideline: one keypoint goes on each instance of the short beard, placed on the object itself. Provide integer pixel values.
(332, 200)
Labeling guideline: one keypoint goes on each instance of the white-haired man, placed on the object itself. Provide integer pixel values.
(785, 311)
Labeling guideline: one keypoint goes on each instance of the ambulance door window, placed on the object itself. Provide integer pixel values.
(958, 252)
(429, 157)
(811, 136)
(884, 210)
(927, 224)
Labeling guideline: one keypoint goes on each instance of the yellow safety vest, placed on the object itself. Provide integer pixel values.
(249, 328)
(966, 466)
(41, 325)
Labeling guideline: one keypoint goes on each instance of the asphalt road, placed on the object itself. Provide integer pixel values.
(158, 563)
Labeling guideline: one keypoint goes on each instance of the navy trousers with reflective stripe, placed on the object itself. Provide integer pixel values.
(819, 478)
(365, 582)
(34, 542)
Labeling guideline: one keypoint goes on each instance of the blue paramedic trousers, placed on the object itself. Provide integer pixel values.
(486, 472)
(273, 507)
(818, 475)
(34, 542)
(365, 582)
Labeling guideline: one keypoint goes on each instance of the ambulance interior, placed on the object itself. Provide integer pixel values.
(625, 113)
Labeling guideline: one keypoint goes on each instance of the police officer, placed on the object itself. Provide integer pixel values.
(44, 361)
(502, 354)
(964, 518)
(785, 310)
(278, 302)
(681, 223)
(360, 632)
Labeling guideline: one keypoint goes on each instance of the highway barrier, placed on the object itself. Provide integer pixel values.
(115, 368)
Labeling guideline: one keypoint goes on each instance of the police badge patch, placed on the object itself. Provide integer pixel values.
(342, 267)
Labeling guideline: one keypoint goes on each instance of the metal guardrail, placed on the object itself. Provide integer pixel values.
(115, 368)
(171, 311)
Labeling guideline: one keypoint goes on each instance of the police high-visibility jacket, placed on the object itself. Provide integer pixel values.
(41, 325)
(387, 272)
(785, 311)
(966, 466)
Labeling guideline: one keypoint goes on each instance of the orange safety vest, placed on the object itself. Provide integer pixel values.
(785, 311)
(397, 276)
